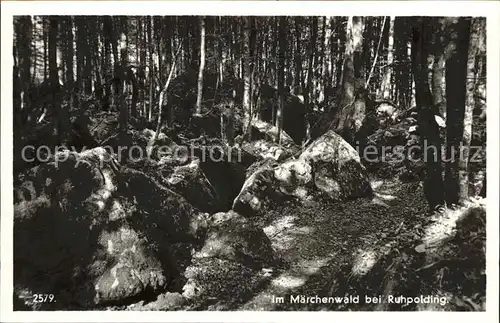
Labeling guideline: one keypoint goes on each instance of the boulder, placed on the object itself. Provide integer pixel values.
(328, 167)
(132, 147)
(231, 236)
(265, 130)
(96, 233)
(259, 192)
(263, 149)
(231, 263)
(192, 183)
(337, 167)
(221, 284)
(164, 302)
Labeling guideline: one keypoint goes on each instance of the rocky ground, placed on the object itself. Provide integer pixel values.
(186, 233)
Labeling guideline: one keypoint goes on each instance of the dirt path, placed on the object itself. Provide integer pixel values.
(317, 242)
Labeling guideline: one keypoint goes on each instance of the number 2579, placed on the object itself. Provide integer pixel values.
(44, 298)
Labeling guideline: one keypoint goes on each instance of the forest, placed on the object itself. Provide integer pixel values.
(234, 162)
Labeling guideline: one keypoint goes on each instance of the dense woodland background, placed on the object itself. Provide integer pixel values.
(265, 84)
(337, 66)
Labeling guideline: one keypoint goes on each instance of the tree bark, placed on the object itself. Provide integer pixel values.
(68, 58)
(247, 113)
(430, 140)
(202, 66)
(151, 67)
(54, 78)
(298, 57)
(122, 79)
(386, 82)
(312, 49)
(152, 141)
(459, 114)
(281, 75)
(350, 116)
(23, 45)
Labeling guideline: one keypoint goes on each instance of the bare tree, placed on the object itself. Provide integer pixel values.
(428, 127)
(281, 74)
(349, 117)
(247, 113)
(202, 66)
(312, 50)
(386, 81)
(54, 75)
(459, 114)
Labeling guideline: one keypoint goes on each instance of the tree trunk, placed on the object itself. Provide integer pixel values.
(151, 143)
(386, 83)
(54, 78)
(68, 57)
(98, 88)
(247, 113)
(298, 57)
(401, 70)
(107, 25)
(281, 74)
(341, 43)
(438, 67)
(459, 114)
(202, 66)
(23, 45)
(327, 68)
(312, 50)
(86, 56)
(430, 140)
(45, 49)
(349, 117)
(123, 78)
(80, 58)
(151, 68)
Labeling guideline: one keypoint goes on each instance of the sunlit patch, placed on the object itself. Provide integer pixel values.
(113, 271)
(255, 202)
(288, 282)
(364, 262)
(444, 227)
(378, 201)
(312, 266)
(301, 230)
(117, 211)
(100, 205)
(105, 191)
(282, 242)
(127, 235)
(110, 246)
(279, 225)
(385, 197)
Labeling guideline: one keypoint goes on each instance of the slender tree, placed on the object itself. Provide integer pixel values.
(386, 81)
(430, 140)
(281, 74)
(348, 119)
(24, 27)
(310, 69)
(298, 56)
(54, 76)
(459, 114)
(202, 66)
(247, 113)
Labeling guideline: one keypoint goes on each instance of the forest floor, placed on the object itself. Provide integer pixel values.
(327, 251)
(316, 242)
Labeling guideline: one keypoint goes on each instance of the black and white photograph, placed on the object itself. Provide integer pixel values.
(272, 163)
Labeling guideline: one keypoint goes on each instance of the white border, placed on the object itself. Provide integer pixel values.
(489, 9)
